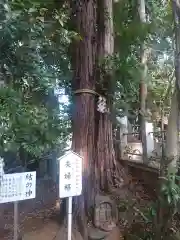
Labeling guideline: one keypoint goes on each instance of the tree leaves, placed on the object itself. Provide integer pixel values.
(157, 34)
(29, 114)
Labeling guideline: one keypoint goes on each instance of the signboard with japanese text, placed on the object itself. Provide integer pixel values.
(17, 187)
(70, 175)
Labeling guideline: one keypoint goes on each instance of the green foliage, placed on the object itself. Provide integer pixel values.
(160, 86)
(33, 59)
(170, 191)
(128, 36)
(34, 42)
(156, 33)
(157, 220)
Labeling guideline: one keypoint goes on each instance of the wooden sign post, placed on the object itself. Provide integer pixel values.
(70, 181)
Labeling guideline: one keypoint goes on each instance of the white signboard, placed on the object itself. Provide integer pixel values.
(17, 187)
(70, 175)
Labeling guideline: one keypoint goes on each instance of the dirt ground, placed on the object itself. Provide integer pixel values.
(37, 217)
(52, 231)
(41, 229)
(33, 214)
(48, 232)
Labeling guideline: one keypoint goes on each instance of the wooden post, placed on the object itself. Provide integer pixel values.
(149, 139)
(123, 138)
(15, 221)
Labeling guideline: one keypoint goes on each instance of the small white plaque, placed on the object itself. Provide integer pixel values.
(17, 187)
(70, 175)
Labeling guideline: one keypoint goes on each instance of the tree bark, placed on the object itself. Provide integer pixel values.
(105, 152)
(83, 123)
(92, 130)
(108, 171)
(143, 85)
(172, 143)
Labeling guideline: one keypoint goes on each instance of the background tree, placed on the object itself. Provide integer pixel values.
(32, 61)
(173, 124)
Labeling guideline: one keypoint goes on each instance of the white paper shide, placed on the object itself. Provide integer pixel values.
(70, 175)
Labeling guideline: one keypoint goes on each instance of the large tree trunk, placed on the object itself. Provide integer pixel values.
(143, 86)
(172, 144)
(105, 152)
(92, 131)
(108, 173)
(84, 104)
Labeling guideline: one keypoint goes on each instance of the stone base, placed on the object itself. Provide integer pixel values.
(115, 234)
(96, 234)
